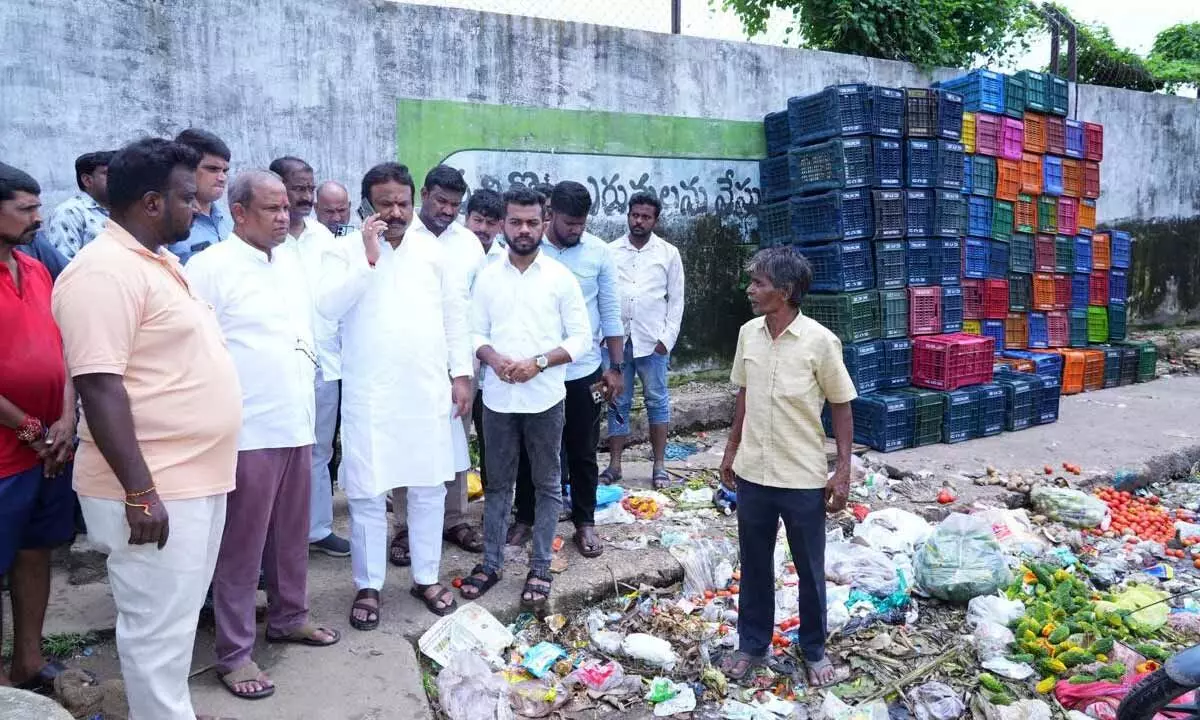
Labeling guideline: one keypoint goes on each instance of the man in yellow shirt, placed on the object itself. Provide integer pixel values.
(787, 366)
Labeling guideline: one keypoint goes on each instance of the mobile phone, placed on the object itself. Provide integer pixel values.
(365, 209)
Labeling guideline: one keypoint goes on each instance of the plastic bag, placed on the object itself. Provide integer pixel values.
(537, 698)
(707, 563)
(836, 614)
(892, 530)
(684, 701)
(596, 675)
(994, 609)
(474, 485)
(1008, 668)
(861, 567)
(1013, 530)
(540, 657)
(991, 640)
(1023, 710)
(1135, 597)
(614, 514)
(653, 651)
(937, 701)
(961, 560)
(834, 709)
(608, 494)
(1068, 506)
(468, 690)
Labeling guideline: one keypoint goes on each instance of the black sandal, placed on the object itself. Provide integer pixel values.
(518, 534)
(369, 623)
(481, 586)
(445, 597)
(536, 604)
(465, 536)
(398, 552)
(739, 659)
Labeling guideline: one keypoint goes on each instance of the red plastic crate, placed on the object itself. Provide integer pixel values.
(1072, 177)
(1043, 291)
(1016, 331)
(989, 138)
(924, 310)
(1068, 215)
(1062, 292)
(948, 362)
(995, 299)
(972, 295)
(1098, 287)
(1012, 138)
(1091, 179)
(1057, 329)
(1043, 253)
(1035, 132)
(1008, 179)
(1101, 251)
(1093, 141)
(1031, 174)
(1056, 135)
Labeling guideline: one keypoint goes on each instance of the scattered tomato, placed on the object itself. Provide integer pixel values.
(456, 582)
(557, 544)
(945, 497)
(735, 589)
(709, 594)
(1048, 470)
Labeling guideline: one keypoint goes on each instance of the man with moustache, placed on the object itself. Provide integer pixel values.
(161, 416)
(333, 207)
(37, 429)
(403, 313)
(257, 287)
(211, 224)
(309, 239)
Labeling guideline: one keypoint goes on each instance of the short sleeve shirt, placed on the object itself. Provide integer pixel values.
(787, 381)
(127, 311)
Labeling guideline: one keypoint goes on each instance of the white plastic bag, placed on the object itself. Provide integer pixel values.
(937, 701)
(1068, 506)
(614, 514)
(991, 640)
(836, 614)
(994, 609)
(707, 563)
(862, 567)
(1013, 530)
(1026, 710)
(892, 530)
(834, 709)
(651, 650)
(468, 690)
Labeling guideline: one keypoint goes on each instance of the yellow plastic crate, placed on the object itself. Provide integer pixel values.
(968, 131)
(972, 327)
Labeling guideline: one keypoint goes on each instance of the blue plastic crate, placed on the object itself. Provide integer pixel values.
(924, 262)
(1074, 138)
(895, 370)
(836, 110)
(775, 223)
(1046, 396)
(1018, 399)
(918, 162)
(888, 161)
(952, 310)
(1077, 327)
(883, 421)
(1039, 332)
(841, 266)
(1081, 290)
(1052, 175)
(1020, 253)
(833, 164)
(975, 260)
(890, 272)
(1118, 288)
(997, 259)
(968, 175)
(1059, 94)
(1083, 254)
(887, 207)
(778, 132)
(948, 164)
(835, 215)
(958, 423)
(950, 256)
(982, 90)
(774, 178)
(1048, 364)
(886, 112)
(979, 216)
(949, 115)
(863, 361)
(1122, 249)
(995, 330)
(1118, 321)
(949, 213)
(918, 213)
(989, 412)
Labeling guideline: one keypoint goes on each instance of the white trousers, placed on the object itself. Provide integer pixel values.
(369, 536)
(158, 594)
(320, 508)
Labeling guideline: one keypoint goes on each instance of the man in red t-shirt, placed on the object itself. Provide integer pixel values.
(37, 431)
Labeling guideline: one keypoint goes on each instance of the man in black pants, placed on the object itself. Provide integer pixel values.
(588, 389)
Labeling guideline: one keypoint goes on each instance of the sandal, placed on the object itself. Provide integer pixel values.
(306, 635)
(465, 536)
(398, 552)
(608, 477)
(371, 622)
(480, 581)
(444, 596)
(739, 664)
(586, 541)
(819, 666)
(660, 479)
(42, 682)
(518, 534)
(248, 673)
(534, 603)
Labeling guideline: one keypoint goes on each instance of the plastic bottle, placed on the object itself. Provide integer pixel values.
(725, 500)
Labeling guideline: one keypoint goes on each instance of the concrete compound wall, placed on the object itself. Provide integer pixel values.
(347, 83)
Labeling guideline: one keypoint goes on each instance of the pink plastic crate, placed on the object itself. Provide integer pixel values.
(948, 362)
(924, 310)
(972, 295)
(1012, 138)
(1068, 216)
(1057, 329)
(989, 138)
(1093, 141)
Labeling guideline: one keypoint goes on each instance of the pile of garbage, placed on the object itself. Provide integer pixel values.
(1002, 613)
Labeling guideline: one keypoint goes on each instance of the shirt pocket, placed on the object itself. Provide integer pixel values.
(794, 378)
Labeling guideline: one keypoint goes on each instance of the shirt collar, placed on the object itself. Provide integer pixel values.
(163, 257)
(537, 259)
(625, 242)
(90, 203)
(793, 327)
(246, 250)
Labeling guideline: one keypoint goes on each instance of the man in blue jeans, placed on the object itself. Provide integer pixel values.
(650, 281)
(787, 366)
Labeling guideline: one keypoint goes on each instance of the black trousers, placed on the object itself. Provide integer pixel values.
(477, 420)
(581, 435)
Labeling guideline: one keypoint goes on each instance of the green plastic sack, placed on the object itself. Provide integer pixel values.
(961, 560)
(1139, 596)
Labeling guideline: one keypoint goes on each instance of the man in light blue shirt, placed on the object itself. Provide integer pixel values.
(212, 223)
(588, 258)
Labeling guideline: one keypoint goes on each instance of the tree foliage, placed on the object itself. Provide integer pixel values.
(1175, 57)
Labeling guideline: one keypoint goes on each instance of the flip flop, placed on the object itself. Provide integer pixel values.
(398, 552)
(745, 661)
(518, 534)
(608, 477)
(306, 635)
(445, 597)
(660, 479)
(247, 673)
(539, 595)
(42, 682)
(812, 666)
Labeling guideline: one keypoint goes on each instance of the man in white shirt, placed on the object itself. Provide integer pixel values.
(260, 296)
(441, 198)
(528, 321)
(333, 207)
(310, 240)
(650, 277)
(485, 211)
(406, 385)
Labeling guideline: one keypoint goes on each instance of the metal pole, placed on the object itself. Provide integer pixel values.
(676, 19)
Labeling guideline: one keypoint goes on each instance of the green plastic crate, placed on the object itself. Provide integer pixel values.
(1077, 328)
(1059, 94)
(983, 175)
(853, 317)
(1020, 253)
(928, 409)
(1036, 96)
(1147, 359)
(1002, 220)
(1047, 214)
(1097, 324)
(1118, 320)
(1014, 96)
(1064, 254)
(893, 313)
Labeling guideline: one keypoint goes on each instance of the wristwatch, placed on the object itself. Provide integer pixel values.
(542, 361)
(619, 367)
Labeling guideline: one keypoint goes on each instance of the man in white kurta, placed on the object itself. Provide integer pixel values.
(404, 322)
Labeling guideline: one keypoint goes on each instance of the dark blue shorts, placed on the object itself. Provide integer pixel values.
(35, 512)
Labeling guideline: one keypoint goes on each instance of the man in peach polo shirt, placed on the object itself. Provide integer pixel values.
(162, 411)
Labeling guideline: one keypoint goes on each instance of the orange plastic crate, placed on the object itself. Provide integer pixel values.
(1091, 179)
(1087, 215)
(1031, 174)
(1093, 369)
(968, 132)
(1016, 333)
(1074, 369)
(1025, 366)
(1101, 251)
(1035, 132)
(1072, 177)
(1025, 214)
(1008, 179)
(1043, 291)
